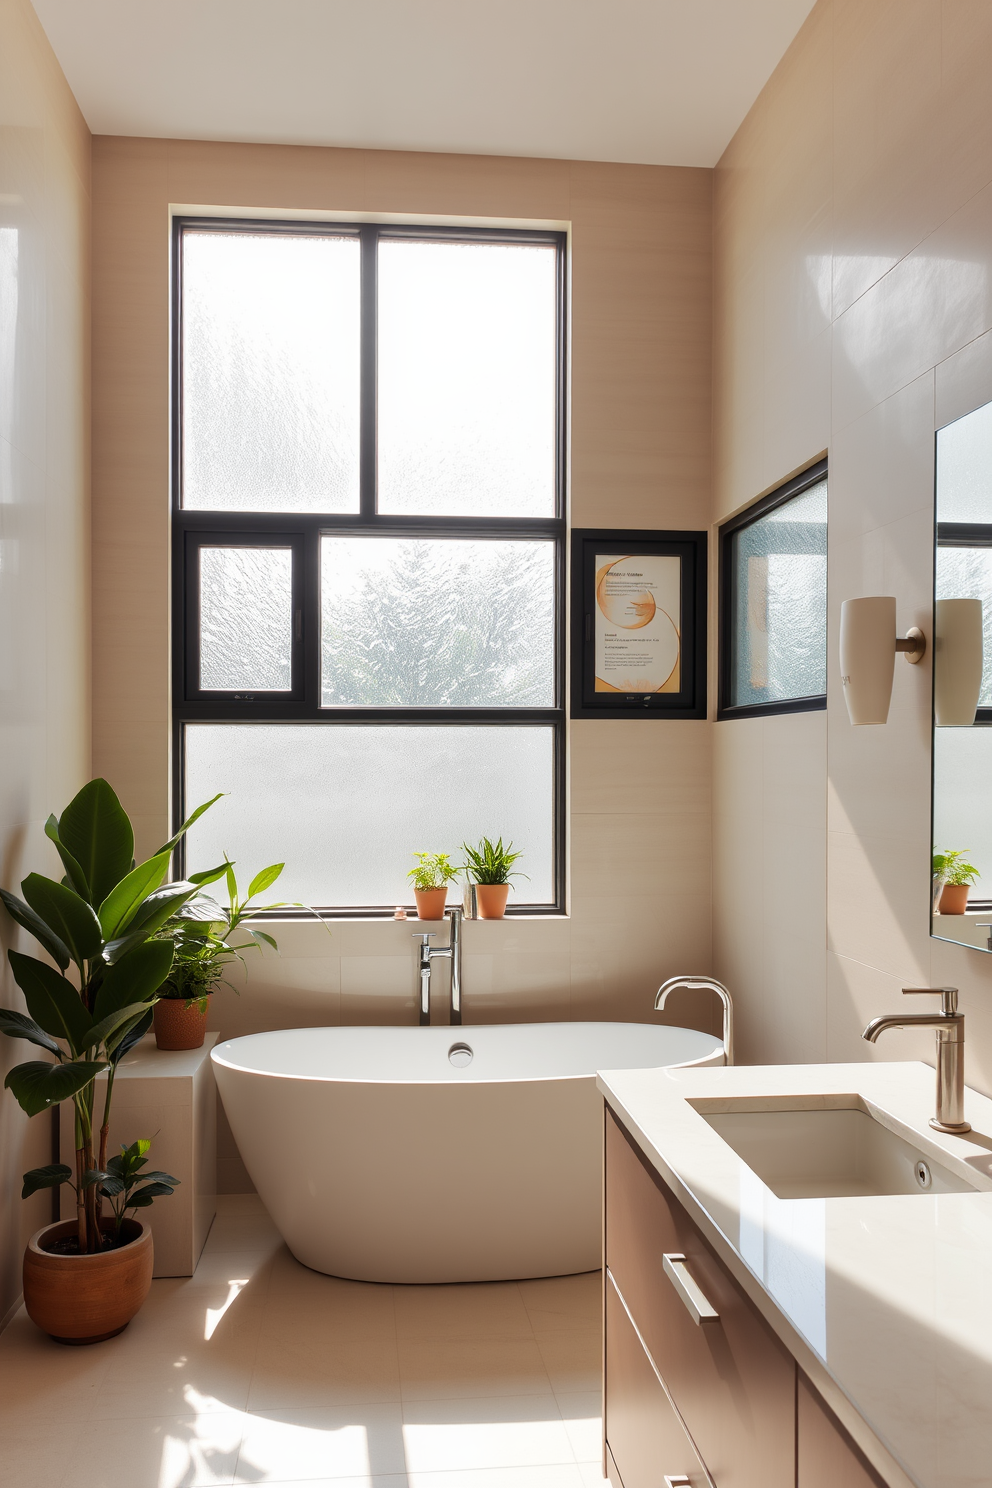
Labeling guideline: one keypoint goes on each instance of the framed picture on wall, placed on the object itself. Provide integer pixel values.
(638, 624)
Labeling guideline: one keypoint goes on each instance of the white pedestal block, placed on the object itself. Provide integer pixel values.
(171, 1099)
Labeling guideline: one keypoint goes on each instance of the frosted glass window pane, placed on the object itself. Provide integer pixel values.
(962, 805)
(964, 468)
(411, 622)
(345, 807)
(780, 614)
(270, 362)
(966, 573)
(467, 341)
(246, 619)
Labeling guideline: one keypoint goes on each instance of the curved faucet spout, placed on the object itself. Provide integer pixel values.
(908, 1020)
(704, 984)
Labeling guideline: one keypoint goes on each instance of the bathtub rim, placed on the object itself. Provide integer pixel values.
(463, 1029)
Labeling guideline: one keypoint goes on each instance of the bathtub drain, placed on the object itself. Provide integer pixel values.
(460, 1055)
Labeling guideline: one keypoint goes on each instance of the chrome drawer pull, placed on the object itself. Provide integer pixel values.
(679, 1482)
(697, 1306)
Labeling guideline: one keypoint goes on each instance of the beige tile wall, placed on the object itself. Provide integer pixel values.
(44, 517)
(640, 457)
(853, 295)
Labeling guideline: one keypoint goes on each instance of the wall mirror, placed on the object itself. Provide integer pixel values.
(962, 662)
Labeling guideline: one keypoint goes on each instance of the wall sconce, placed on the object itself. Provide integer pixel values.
(868, 646)
(957, 675)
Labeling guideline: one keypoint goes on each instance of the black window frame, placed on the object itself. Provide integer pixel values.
(192, 529)
(726, 707)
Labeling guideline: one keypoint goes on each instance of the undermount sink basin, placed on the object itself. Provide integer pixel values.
(838, 1152)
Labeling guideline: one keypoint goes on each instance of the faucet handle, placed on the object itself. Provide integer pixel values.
(948, 997)
(424, 936)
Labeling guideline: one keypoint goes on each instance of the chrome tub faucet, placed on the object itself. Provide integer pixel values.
(451, 952)
(949, 1024)
(704, 984)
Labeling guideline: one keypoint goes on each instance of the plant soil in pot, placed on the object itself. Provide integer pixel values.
(83, 1299)
(491, 899)
(178, 1026)
(953, 899)
(430, 903)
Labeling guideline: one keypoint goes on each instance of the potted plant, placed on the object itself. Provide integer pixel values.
(88, 1302)
(102, 922)
(957, 877)
(489, 867)
(202, 933)
(431, 877)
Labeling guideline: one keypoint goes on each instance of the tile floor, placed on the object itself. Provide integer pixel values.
(256, 1370)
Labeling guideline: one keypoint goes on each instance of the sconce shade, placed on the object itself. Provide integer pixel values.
(958, 661)
(868, 656)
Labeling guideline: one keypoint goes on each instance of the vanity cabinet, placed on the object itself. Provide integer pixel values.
(717, 1402)
(731, 1380)
(826, 1457)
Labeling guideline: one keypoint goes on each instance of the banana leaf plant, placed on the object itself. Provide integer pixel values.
(99, 926)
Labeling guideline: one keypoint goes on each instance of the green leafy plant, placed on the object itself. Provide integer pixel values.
(949, 868)
(102, 920)
(118, 1182)
(433, 871)
(489, 864)
(202, 933)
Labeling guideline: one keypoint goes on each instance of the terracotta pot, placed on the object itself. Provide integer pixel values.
(178, 1026)
(85, 1299)
(953, 899)
(430, 903)
(491, 899)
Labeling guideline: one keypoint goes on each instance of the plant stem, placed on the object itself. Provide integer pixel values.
(104, 1135)
(80, 1191)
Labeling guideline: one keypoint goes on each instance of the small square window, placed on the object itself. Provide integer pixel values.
(773, 577)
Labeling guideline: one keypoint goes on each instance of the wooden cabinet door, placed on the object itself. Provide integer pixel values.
(827, 1458)
(645, 1437)
(732, 1381)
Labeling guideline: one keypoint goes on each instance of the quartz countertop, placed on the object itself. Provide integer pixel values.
(886, 1302)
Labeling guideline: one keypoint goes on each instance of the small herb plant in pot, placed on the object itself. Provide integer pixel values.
(99, 926)
(202, 933)
(489, 866)
(957, 877)
(431, 877)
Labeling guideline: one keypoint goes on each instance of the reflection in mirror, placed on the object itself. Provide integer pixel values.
(962, 736)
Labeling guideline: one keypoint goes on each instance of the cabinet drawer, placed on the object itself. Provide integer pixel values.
(644, 1435)
(732, 1381)
(827, 1456)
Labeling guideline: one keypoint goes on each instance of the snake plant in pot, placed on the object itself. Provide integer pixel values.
(489, 866)
(86, 1277)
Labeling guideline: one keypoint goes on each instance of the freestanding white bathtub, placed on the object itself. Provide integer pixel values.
(436, 1154)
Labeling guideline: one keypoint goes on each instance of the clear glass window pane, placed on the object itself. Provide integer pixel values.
(410, 622)
(966, 573)
(270, 365)
(779, 645)
(467, 353)
(246, 619)
(346, 806)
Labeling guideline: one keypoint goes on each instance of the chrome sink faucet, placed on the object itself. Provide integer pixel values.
(451, 952)
(949, 1024)
(704, 984)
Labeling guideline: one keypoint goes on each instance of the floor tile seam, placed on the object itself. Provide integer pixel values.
(467, 1399)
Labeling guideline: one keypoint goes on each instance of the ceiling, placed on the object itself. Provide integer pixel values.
(658, 82)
